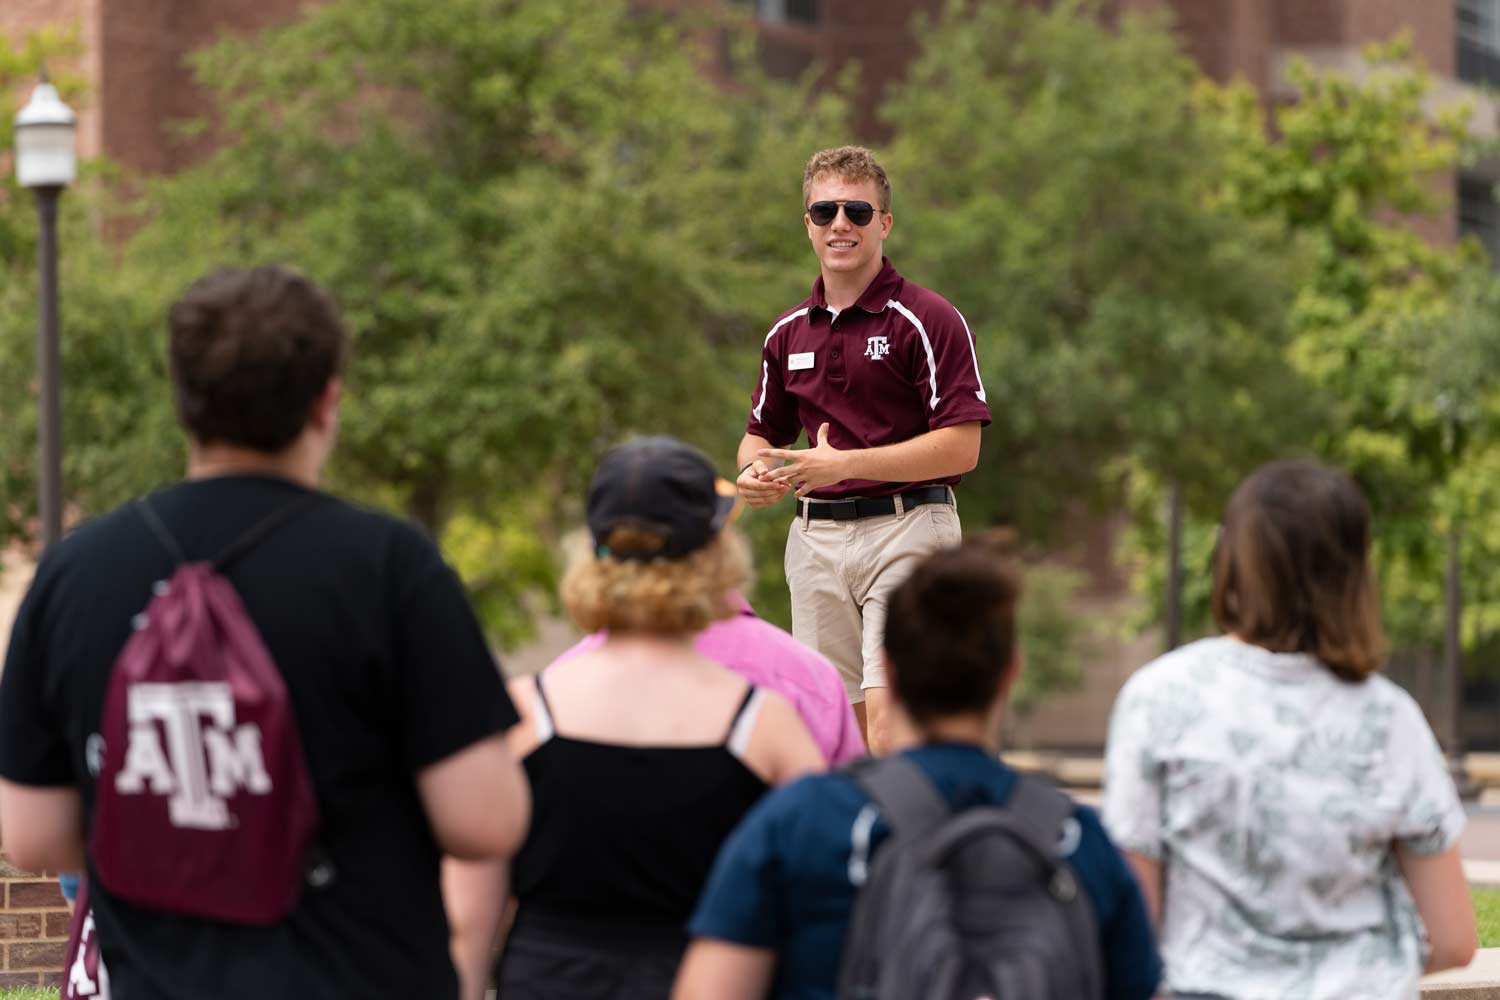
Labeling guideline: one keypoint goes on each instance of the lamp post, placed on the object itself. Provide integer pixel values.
(47, 163)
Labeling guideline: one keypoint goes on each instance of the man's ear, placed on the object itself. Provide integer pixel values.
(886, 221)
(1011, 674)
(324, 412)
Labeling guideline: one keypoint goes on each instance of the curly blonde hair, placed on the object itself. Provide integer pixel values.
(850, 163)
(660, 595)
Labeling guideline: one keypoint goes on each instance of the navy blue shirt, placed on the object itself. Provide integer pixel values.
(782, 880)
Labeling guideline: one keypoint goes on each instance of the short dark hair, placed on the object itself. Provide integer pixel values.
(1292, 568)
(250, 351)
(950, 632)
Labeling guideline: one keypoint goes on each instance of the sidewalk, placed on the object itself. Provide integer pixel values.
(1479, 981)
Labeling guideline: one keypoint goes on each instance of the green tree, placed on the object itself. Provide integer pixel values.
(1118, 309)
(548, 227)
(1131, 325)
(1396, 333)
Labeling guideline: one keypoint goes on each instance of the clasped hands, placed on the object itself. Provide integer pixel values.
(809, 469)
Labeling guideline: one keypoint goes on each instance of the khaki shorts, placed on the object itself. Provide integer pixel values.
(841, 574)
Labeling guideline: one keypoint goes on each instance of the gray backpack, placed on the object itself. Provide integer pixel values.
(973, 905)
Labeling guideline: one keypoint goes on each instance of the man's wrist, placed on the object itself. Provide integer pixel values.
(744, 467)
(845, 465)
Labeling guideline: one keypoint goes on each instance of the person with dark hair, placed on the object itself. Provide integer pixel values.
(774, 917)
(388, 682)
(642, 752)
(1286, 809)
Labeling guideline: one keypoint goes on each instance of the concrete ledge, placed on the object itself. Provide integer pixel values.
(1073, 772)
(1480, 980)
(1483, 768)
(1482, 873)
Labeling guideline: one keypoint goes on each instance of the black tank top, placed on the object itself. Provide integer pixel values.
(626, 835)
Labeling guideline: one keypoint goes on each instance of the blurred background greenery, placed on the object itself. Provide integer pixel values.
(550, 229)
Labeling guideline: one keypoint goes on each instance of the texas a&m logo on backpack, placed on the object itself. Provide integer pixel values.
(183, 743)
(203, 803)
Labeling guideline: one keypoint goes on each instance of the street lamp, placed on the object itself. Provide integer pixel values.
(47, 163)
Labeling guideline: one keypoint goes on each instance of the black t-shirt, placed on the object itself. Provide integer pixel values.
(387, 671)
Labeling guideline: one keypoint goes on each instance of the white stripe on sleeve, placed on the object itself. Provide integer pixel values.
(765, 367)
(927, 344)
(974, 353)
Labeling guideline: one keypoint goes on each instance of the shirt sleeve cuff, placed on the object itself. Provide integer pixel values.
(712, 926)
(777, 438)
(963, 415)
(1443, 834)
(1145, 846)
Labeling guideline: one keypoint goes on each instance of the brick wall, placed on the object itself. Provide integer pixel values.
(33, 928)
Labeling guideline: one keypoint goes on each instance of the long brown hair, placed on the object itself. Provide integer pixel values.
(1292, 568)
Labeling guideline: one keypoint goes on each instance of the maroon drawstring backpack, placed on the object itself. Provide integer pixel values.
(203, 804)
(85, 977)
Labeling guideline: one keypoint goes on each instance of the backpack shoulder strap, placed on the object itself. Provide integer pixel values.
(260, 529)
(143, 507)
(902, 792)
(1040, 810)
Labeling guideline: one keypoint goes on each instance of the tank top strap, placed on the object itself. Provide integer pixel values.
(542, 713)
(738, 739)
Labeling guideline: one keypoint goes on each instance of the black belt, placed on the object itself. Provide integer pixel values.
(858, 507)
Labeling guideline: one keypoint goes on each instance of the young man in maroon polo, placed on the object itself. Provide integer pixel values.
(883, 376)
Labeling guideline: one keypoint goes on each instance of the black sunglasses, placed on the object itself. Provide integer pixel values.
(858, 213)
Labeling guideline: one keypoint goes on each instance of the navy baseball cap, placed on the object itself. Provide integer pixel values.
(664, 489)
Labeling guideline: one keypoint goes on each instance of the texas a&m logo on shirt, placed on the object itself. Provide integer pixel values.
(184, 743)
(877, 348)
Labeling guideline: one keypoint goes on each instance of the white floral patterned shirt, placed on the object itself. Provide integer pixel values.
(1273, 793)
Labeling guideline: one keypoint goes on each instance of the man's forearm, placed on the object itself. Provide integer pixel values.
(43, 826)
(749, 445)
(947, 451)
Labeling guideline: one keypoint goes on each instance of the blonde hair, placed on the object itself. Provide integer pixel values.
(851, 163)
(659, 595)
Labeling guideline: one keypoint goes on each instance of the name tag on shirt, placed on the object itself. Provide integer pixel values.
(798, 362)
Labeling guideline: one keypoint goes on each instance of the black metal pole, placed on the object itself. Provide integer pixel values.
(1452, 646)
(49, 361)
(1174, 565)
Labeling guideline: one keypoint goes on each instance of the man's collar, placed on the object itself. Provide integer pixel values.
(877, 293)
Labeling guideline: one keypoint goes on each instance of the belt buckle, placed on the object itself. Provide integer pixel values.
(843, 510)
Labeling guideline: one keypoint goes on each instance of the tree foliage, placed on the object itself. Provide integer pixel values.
(548, 228)
(1397, 336)
(1117, 308)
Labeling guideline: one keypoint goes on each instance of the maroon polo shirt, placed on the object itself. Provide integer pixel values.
(898, 363)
